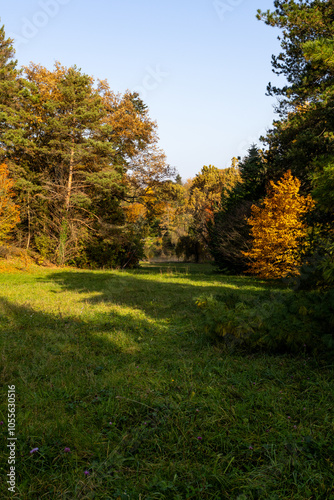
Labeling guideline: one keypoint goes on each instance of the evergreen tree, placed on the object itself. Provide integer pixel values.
(64, 155)
(252, 178)
(229, 233)
(302, 22)
(303, 140)
(306, 129)
(9, 90)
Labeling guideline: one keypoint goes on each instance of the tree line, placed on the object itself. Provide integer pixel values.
(92, 189)
(279, 218)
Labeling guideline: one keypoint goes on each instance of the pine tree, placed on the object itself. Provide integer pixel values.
(78, 140)
(302, 22)
(277, 229)
(229, 231)
(9, 90)
(64, 153)
(252, 178)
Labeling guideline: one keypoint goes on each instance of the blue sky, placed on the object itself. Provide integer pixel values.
(201, 66)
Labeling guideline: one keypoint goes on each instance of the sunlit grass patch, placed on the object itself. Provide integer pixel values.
(115, 366)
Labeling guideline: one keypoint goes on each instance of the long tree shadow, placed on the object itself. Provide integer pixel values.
(68, 361)
(55, 343)
(158, 295)
(72, 374)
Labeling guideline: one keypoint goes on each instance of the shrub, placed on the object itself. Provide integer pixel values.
(279, 322)
(110, 253)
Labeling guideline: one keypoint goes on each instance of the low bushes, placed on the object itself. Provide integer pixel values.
(278, 321)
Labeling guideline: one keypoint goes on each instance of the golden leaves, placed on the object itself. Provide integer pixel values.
(9, 212)
(277, 229)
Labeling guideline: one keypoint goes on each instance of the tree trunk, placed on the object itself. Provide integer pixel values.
(70, 178)
(29, 223)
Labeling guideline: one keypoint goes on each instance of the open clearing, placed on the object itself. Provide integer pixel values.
(115, 366)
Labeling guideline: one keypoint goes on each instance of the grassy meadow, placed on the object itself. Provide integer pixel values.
(125, 396)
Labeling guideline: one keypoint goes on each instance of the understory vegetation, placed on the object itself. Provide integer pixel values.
(122, 395)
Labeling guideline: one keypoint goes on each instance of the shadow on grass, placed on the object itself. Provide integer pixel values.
(75, 374)
(161, 296)
(33, 337)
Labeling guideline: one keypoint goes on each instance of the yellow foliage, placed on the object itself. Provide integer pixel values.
(277, 228)
(9, 212)
(47, 83)
(134, 212)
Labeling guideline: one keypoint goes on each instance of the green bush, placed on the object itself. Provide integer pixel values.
(277, 323)
(318, 272)
(122, 252)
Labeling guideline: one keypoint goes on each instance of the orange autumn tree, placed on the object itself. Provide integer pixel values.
(9, 212)
(277, 229)
(134, 212)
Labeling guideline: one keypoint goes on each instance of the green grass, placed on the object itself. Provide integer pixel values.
(115, 366)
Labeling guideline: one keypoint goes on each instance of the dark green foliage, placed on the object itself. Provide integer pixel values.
(317, 272)
(252, 185)
(190, 248)
(12, 89)
(323, 182)
(229, 233)
(178, 180)
(229, 236)
(303, 143)
(122, 248)
(302, 22)
(278, 322)
(305, 132)
(9, 86)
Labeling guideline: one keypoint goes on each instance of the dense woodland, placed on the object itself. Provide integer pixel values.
(83, 183)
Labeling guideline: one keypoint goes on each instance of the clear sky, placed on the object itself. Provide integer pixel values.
(201, 66)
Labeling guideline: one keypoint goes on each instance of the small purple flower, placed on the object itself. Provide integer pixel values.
(251, 447)
(86, 472)
(295, 427)
(197, 409)
(67, 450)
(110, 423)
(289, 417)
(304, 408)
(1, 423)
(33, 450)
(199, 438)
